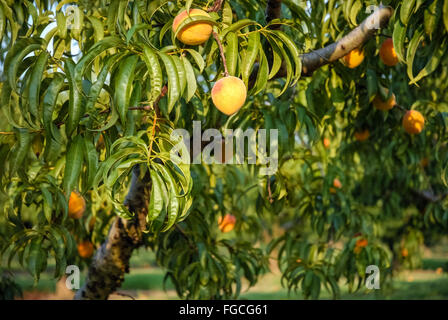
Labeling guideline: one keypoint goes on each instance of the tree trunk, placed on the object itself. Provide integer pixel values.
(111, 261)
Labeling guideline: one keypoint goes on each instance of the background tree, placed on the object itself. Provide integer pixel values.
(92, 90)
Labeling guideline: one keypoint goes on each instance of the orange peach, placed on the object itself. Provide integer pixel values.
(76, 205)
(85, 249)
(227, 224)
(404, 252)
(354, 58)
(362, 135)
(326, 143)
(229, 94)
(387, 53)
(336, 184)
(380, 104)
(196, 33)
(413, 122)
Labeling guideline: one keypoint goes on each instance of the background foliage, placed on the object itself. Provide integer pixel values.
(79, 83)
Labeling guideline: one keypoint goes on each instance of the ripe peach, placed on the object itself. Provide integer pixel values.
(229, 94)
(85, 249)
(404, 252)
(360, 243)
(362, 135)
(227, 224)
(196, 33)
(326, 143)
(336, 184)
(413, 122)
(387, 53)
(380, 104)
(354, 58)
(76, 205)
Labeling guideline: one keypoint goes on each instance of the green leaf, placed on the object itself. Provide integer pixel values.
(123, 85)
(231, 53)
(155, 71)
(73, 164)
(91, 156)
(412, 49)
(237, 26)
(173, 80)
(432, 63)
(181, 74)
(47, 203)
(399, 37)
(445, 14)
(2, 22)
(294, 53)
(156, 203)
(20, 150)
(92, 53)
(15, 56)
(35, 82)
(191, 79)
(252, 52)
(406, 11)
(197, 58)
(135, 27)
(75, 107)
(173, 207)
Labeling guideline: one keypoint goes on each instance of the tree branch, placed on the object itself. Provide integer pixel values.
(273, 11)
(111, 261)
(318, 58)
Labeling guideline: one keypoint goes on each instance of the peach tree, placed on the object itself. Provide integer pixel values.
(92, 92)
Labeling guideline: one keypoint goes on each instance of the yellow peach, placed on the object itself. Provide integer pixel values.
(229, 94)
(387, 53)
(413, 122)
(227, 224)
(196, 33)
(76, 205)
(380, 104)
(354, 58)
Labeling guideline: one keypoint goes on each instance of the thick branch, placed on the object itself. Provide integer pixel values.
(273, 11)
(111, 261)
(318, 58)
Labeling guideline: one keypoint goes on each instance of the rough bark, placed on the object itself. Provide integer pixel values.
(318, 58)
(111, 261)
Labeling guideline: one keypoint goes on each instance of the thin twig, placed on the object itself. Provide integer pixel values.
(221, 50)
(153, 133)
(216, 6)
(269, 190)
(401, 108)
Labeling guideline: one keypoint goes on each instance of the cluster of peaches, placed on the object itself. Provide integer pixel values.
(413, 121)
(228, 93)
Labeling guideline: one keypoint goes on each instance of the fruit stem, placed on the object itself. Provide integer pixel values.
(221, 50)
(401, 108)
